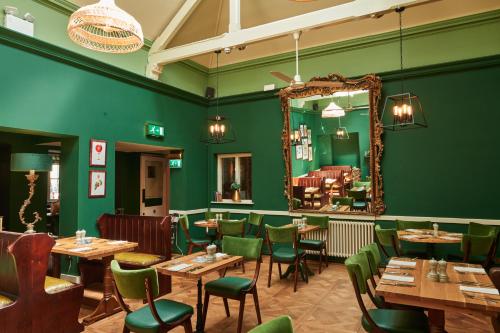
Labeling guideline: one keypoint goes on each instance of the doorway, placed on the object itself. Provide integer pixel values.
(154, 176)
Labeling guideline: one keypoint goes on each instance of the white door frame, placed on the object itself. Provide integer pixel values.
(163, 209)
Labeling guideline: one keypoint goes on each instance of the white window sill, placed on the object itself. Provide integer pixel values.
(231, 202)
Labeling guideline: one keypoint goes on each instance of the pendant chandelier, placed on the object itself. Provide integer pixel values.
(402, 111)
(106, 28)
(332, 111)
(218, 129)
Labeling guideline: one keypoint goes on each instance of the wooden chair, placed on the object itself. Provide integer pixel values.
(317, 245)
(191, 242)
(254, 221)
(282, 324)
(314, 190)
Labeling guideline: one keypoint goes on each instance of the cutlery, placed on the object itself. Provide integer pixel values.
(405, 259)
(400, 267)
(481, 297)
(399, 273)
(397, 284)
(474, 283)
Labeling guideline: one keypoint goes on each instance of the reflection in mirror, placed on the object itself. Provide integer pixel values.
(330, 152)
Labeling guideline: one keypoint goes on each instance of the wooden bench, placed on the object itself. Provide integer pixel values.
(31, 302)
(150, 232)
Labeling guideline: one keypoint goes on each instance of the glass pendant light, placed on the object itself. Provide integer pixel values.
(218, 129)
(404, 110)
(341, 132)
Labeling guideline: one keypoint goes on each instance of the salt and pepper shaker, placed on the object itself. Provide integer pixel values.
(78, 235)
(443, 275)
(435, 226)
(433, 275)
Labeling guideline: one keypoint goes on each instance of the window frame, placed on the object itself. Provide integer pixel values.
(236, 156)
(56, 159)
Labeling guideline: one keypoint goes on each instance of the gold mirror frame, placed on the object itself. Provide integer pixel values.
(370, 82)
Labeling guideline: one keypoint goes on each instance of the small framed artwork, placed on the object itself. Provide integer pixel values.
(301, 127)
(298, 152)
(97, 183)
(309, 136)
(304, 141)
(310, 153)
(304, 134)
(305, 152)
(97, 153)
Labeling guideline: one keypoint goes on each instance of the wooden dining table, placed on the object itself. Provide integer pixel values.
(427, 236)
(340, 208)
(196, 270)
(440, 297)
(99, 248)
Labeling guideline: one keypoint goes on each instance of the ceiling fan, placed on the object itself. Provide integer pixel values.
(296, 82)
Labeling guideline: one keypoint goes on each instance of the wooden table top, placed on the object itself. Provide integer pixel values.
(329, 208)
(99, 247)
(438, 295)
(197, 270)
(210, 224)
(307, 228)
(426, 236)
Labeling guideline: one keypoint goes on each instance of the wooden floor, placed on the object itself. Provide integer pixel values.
(326, 304)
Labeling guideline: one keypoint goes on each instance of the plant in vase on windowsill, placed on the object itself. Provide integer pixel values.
(236, 192)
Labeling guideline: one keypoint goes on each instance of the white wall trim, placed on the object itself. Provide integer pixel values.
(451, 220)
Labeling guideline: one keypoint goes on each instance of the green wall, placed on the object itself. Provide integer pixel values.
(301, 167)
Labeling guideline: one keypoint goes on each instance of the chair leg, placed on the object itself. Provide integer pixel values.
(326, 256)
(279, 270)
(190, 249)
(226, 307)
(205, 309)
(187, 326)
(296, 275)
(320, 260)
(270, 272)
(125, 329)
(243, 267)
(257, 306)
(240, 317)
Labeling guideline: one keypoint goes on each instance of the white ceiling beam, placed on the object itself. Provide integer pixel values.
(344, 12)
(234, 15)
(174, 25)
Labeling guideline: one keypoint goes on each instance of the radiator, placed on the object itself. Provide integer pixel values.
(344, 238)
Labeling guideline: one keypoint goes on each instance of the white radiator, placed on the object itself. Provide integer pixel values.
(344, 238)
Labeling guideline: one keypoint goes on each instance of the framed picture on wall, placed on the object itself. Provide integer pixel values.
(309, 136)
(97, 183)
(301, 128)
(298, 152)
(305, 152)
(304, 134)
(97, 153)
(310, 153)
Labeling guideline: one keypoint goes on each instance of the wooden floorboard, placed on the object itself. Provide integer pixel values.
(326, 304)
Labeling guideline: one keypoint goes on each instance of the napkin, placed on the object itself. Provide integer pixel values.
(117, 242)
(81, 249)
(491, 291)
(402, 263)
(455, 234)
(179, 267)
(220, 255)
(398, 278)
(463, 269)
(448, 238)
(416, 231)
(410, 236)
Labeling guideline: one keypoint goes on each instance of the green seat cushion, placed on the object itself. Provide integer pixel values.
(138, 258)
(359, 204)
(230, 286)
(397, 321)
(200, 240)
(53, 285)
(4, 301)
(142, 320)
(312, 243)
(285, 254)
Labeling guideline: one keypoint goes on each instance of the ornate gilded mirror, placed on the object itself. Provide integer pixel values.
(332, 145)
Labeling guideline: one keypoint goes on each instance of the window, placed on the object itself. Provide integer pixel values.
(54, 180)
(234, 168)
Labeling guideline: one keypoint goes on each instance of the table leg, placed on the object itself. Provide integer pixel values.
(303, 269)
(108, 305)
(199, 309)
(437, 320)
(56, 265)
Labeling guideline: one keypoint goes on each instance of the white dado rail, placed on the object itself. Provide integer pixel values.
(452, 220)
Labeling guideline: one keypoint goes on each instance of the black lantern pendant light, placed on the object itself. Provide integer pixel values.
(402, 111)
(218, 129)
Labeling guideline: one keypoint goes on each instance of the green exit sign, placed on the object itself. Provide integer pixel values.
(155, 131)
(175, 164)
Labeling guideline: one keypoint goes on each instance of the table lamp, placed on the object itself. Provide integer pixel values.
(31, 163)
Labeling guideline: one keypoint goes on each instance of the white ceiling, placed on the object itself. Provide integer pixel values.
(211, 19)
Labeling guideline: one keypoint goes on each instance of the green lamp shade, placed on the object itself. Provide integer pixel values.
(27, 162)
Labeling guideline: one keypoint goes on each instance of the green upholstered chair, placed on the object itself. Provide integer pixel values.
(381, 320)
(191, 242)
(484, 230)
(403, 225)
(317, 245)
(360, 202)
(237, 287)
(367, 184)
(374, 258)
(211, 215)
(343, 201)
(296, 203)
(387, 238)
(478, 246)
(254, 221)
(157, 316)
(282, 324)
(232, 228)
(286, 252)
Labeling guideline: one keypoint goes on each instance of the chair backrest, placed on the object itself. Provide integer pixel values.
(282, 234)
(344, 168)
(495, 276)
(248, 248)
(403, 225)
(184, 223)
(232, 228)
(373, 255)
(255, 219)
(358, 268)
(387, 238)
(211, 215)
(130, 283)
(357, 195)
(331, 174)
(344, 201)
(360, 184)
(475, 245)
(282, 324)
(8, 270)
(479, 229)
(311, 182)
(321, 221)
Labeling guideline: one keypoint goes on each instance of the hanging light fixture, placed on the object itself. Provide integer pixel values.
(403, 110)
(332, 111)
(341, 132)
(219, 129)
(106, 28)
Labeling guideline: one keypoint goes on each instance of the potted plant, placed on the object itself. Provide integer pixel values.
(236, 191)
